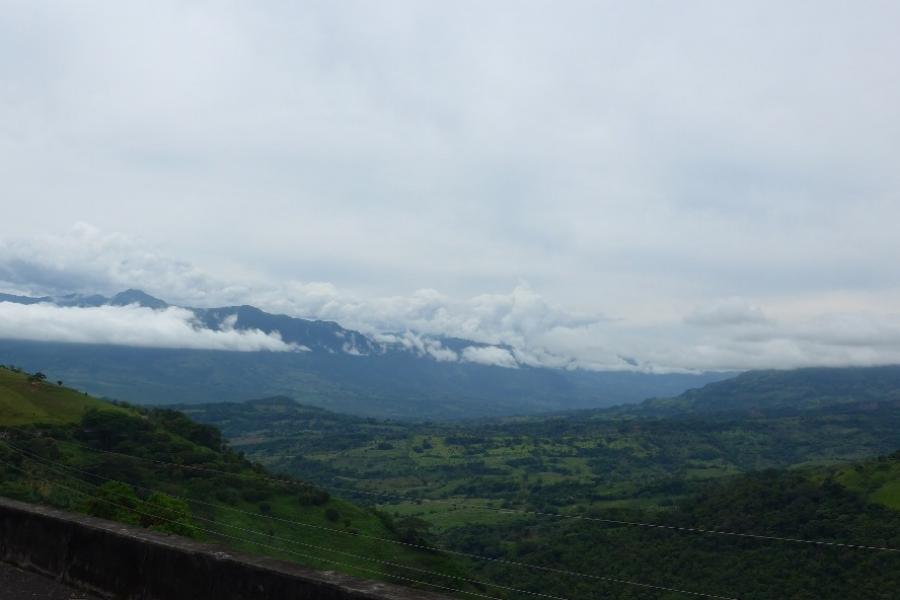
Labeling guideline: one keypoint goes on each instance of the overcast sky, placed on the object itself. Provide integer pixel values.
(682, 184)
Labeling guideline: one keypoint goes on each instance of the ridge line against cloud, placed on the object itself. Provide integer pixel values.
(518, 328)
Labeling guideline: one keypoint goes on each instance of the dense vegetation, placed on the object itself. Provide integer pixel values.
(775, 503)
(186, 481)
(623, 456)
(748, 455)
(556, 505)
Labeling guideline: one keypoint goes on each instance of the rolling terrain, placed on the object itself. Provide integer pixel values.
(775, 490)
(645, 454)
(809, 455)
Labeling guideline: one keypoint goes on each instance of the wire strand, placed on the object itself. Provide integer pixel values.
(567, 572)
(281, 549)
(658, 526)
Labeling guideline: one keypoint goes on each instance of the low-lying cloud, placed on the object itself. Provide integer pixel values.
(490, 355)
(522, 328)
(130, 326)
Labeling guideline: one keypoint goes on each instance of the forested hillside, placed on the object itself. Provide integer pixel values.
(158, 469)
(575, 491)
(628, 454)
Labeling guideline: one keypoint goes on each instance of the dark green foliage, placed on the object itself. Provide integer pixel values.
(175, 476)
(634, 464)
(618, 455)
(177, 422)
(772, 503)
(118, 501)
(161, 512)
(113, 430)
(115, 501)
(310, 496)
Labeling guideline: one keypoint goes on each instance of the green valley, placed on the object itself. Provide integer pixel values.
(807, 455)
(788, 479)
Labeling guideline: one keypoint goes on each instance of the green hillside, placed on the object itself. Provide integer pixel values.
(878, 481)
(159, 469)
(25, 402)
(794, 459)
(774, 392)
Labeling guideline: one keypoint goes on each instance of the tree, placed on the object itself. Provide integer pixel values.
(162, 512)
(37, 377)
(115, 501)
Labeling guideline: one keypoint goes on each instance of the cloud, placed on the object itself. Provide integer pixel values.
(87, 260)
(497, 357)
(408, 166)
(727, 312)
(620, 158)
(129, 325)
(524, 328)
(419, 344)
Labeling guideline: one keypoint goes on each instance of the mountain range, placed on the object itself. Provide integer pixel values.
(337, 368)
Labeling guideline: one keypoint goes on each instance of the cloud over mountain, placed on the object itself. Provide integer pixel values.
(518, 328)
(130, 325)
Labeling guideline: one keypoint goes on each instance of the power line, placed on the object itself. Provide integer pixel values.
(316, 547)
(308, 556)
(423, 547)
(643, 524)
(658, 526)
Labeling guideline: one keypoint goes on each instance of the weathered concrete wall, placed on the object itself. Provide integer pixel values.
(122, 562)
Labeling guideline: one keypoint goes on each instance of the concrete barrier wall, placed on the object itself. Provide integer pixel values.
(124, 562)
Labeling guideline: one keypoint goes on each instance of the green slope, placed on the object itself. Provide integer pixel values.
(774, 392)
(159, 469)
(23, 402)
(878, 480)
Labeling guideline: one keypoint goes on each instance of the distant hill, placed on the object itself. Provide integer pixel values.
(343, 370)
(782, 393)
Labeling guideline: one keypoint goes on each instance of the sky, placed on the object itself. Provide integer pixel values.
(654, 185)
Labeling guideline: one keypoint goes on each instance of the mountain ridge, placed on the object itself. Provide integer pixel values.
(341, 369)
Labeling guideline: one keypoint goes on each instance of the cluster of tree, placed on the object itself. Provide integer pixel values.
(118, 501)
(772, 503)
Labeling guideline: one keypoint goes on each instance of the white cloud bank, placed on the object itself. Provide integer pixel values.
(130, 326)
(526, 329)
(632, 159)
(490, 355)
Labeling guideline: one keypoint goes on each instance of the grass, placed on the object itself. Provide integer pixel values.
(334, 535)
(26, 403)
(879, 481)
